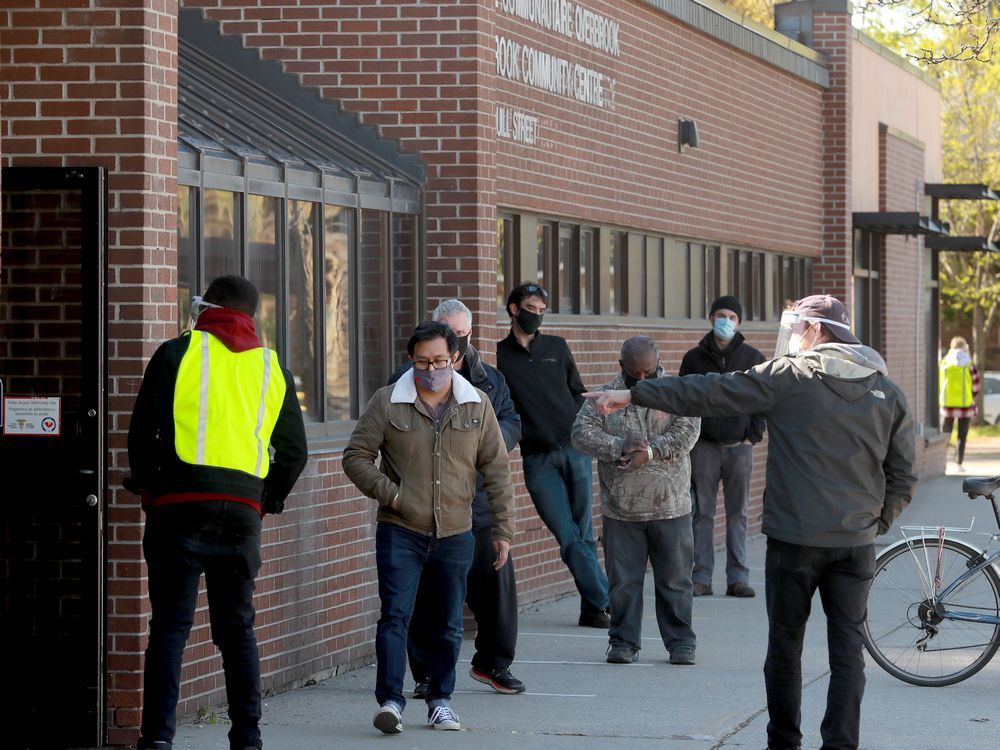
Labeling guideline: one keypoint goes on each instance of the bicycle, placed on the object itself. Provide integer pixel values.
(934, 601)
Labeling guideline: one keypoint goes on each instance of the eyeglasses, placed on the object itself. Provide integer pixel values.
(438, 364)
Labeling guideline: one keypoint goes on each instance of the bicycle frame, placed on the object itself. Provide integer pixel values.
(932, 585)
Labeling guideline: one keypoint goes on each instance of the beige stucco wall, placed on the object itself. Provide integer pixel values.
(885, 91)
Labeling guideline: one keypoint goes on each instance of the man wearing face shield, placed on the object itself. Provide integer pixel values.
(548, 393)
(839, 472)
(723, 454)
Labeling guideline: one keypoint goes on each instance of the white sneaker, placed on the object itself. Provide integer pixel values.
(442, 717)
(389, 719)
(959, 468)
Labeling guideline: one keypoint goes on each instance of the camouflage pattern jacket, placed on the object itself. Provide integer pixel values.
(660, 488)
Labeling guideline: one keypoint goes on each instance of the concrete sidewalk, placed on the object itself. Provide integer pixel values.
(576, 700)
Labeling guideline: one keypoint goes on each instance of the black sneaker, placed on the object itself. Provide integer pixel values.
(500, 680)
(620, 653)
(683, 655)
(420, 690)
(595, 619)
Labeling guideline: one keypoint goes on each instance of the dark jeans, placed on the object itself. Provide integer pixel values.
(947, 424)
(711, 464)
(628, 545)
(792, 575)
(221, 539)
(561, 484)
(402, 557)
(492, 597)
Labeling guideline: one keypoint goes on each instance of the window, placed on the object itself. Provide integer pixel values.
(307, 260)
(567, 286)
(792, 278)
(544, 233)
(654, 277)
(587, 264)
(327, 231)
(508, 267)
(746, 281)
(187, 275)
(868, 288)
(616, 274)
(713, 277)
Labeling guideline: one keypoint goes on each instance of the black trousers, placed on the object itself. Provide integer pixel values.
(221, 539)
(947, 423)
(492, 597)
(792, 575)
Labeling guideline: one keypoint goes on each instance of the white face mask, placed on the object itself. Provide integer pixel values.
(795, 343)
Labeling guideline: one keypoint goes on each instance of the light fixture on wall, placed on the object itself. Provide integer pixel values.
(687, 134)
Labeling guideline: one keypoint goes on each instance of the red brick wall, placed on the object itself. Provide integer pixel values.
(902, 309)
(832, 37)
(93, 82)
(752, 181)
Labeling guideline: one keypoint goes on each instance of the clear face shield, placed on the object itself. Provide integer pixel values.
(198, 306)
(793, 327)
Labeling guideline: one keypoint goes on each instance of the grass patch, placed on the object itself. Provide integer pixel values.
(985, 430)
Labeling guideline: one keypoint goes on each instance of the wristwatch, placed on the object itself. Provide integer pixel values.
(649, 452)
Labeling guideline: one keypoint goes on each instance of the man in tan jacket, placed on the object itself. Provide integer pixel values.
(434, 431)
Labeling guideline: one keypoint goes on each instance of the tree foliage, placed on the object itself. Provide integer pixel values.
(941, 30)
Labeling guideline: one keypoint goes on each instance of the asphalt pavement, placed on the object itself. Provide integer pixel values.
(576, 700)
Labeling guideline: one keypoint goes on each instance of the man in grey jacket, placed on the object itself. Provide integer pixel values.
(839, 472)
(645, 478)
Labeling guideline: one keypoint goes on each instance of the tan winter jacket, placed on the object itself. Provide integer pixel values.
(427, 477)
(657, 490)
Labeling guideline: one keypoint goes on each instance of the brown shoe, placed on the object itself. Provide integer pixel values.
(702, 589)
(741, 590)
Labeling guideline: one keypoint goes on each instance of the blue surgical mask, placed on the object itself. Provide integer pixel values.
(724, 328)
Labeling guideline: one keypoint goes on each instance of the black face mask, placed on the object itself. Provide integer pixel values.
(463, 345)
(529, 321)
(631, 381)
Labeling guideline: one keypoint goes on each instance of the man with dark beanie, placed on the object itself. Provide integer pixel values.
(723, 453)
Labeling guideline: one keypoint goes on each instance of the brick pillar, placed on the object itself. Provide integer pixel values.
(832, 35)
(96, 85)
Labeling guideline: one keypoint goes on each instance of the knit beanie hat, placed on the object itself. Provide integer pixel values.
(727, 302)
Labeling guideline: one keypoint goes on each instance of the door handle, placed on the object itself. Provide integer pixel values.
(91, 501)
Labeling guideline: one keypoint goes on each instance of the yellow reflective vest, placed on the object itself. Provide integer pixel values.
(226, 405)
(956, 385)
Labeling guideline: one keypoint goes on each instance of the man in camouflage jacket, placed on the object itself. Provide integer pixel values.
(645, 477)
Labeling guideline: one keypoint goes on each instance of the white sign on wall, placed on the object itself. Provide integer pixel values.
(32, 416)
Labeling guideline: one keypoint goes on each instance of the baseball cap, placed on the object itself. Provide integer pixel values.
(828, 309)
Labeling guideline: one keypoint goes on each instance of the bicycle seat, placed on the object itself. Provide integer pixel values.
(980, 486)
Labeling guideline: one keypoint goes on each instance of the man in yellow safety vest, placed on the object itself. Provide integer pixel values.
(212, 404)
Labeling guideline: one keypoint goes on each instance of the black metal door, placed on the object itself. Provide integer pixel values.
(52, 456)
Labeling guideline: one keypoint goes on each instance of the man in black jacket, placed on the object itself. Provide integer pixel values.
(547, 393)
(211, 403)
(839, 472)
(491, 594)
(723, 453)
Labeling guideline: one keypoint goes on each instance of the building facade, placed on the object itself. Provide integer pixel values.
(361, 161)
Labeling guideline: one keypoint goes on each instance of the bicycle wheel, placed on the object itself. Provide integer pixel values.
(911, 637)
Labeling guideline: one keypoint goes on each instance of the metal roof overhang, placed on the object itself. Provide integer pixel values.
(898, 222)
(959, 191)
(246, 126)
(964, 244)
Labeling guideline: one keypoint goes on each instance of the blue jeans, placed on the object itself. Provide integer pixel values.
(401, 556)
(561, 484)
(221, 539)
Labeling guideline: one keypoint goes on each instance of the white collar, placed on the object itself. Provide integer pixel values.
(405, 390)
